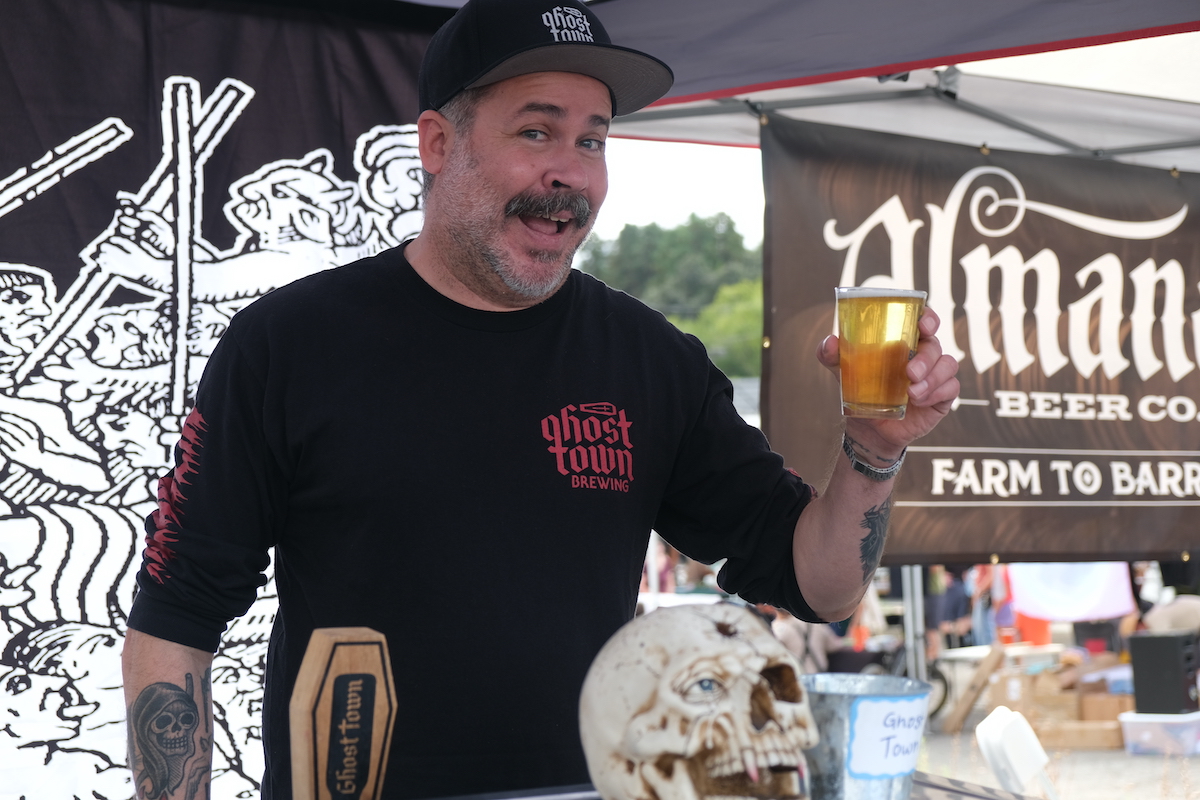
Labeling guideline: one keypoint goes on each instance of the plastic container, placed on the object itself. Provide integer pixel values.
(1161, 734)
(871, 729)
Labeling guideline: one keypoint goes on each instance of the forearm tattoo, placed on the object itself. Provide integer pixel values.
(875, 522)
(171, 739)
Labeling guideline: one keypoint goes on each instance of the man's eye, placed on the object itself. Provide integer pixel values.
(593, 144)
(536, 135)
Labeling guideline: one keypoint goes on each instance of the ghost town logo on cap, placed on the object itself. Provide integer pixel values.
(488, 41)
(568, 25)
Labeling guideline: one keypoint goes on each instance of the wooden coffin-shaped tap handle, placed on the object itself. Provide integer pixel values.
(343, 709)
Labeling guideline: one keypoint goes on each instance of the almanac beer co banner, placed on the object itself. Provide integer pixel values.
(1068, 291)
(162, 164)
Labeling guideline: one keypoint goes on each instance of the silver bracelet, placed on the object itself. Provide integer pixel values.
(866, 469)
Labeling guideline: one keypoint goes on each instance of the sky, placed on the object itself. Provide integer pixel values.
(665, 182)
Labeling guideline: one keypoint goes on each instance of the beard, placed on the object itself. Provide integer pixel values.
(541, 284)
(478, 234)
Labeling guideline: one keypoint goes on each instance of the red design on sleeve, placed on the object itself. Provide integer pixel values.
(171, 494)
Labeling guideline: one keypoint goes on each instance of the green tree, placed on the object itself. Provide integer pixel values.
(676, 270)
(731, 328)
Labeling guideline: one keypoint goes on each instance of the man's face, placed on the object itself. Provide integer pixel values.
(22, 309)
(519, 191)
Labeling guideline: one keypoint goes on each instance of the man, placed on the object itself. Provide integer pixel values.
(1182, 611)
(466, 419)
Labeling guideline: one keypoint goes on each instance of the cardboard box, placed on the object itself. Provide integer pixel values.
(1073, 676)
(1099, 706)
(1062, 707)
(1009, 688)
(1161, 734)
(1038, 696)
(1079, 735)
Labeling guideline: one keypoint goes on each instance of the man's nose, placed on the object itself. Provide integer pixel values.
(568, 170)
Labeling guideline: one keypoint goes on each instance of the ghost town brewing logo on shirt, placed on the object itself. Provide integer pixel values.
(591, 445)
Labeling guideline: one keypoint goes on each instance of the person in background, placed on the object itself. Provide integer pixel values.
(983, 616)
(954, 612)
(1182, 611)
(809, 642)
(666, 559)
(1002, 603)
(933, 579)
(698, 577)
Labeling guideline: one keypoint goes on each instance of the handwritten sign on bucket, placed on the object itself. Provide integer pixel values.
(885, 735)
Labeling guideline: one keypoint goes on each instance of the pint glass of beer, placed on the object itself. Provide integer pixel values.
(877, 329)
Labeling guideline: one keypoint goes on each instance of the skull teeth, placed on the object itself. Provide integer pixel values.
(768, 754)
(174, 743)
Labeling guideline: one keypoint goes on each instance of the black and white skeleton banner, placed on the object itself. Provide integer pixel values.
(161, 166)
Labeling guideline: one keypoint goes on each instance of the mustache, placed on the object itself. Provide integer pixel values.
(528, 204)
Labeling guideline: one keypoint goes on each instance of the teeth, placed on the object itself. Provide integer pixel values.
(770, 752)
(751, 767)
(728, 765)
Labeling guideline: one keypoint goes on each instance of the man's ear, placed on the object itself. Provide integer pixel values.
(435, 136)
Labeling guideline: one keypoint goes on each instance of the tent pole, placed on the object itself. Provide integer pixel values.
(914, 621)
(1007, 121)
(910, 656)
(1146, 148)
(730, 105)
(914, 629)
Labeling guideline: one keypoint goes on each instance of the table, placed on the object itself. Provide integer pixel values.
(1019, 653)
(938, 787)
(925, 787)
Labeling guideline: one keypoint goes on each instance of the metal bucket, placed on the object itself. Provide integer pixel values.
(871, 729)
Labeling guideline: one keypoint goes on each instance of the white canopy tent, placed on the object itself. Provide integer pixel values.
(872, 65)
(1130, 94)
(954, 106)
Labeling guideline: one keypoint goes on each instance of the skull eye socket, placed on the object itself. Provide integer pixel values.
(168, 721)
(705, 690)
(782, 680)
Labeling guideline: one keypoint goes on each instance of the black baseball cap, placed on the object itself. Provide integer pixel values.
(488, 41)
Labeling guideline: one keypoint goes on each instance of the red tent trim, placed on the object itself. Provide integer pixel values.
(891, 69)
(673, 140)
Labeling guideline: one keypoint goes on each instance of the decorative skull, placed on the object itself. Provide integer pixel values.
(693, 702)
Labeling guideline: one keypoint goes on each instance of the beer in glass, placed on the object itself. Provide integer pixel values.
(877, 331)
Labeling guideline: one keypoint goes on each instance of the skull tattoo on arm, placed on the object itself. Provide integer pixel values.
(171, 739)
